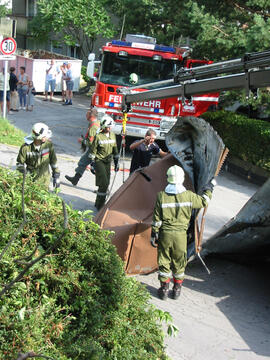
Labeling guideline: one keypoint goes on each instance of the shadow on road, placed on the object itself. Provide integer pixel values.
(244, 294)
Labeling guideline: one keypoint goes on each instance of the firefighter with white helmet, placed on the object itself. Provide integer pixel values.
(171, 219)
(104, 148)
(133, 79)
(37, 153)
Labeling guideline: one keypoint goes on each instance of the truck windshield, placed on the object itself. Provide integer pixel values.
(134, 70)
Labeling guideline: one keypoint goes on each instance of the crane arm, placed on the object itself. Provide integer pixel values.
(255, 73)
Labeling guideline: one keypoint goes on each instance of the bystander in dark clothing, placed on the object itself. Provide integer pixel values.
(143, 151)
(13, 90)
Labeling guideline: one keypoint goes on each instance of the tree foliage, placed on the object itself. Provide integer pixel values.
(76, 302)
(218, 29)
(3, 9)
(222, 29)
(228, 29)
(164, 20)
(76, 22)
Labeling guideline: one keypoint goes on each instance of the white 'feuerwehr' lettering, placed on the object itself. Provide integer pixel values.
(115, 98)
(154, 104)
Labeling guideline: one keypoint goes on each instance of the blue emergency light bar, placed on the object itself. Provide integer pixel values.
(144, 46)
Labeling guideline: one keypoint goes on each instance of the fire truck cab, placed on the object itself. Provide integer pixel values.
(133, 63)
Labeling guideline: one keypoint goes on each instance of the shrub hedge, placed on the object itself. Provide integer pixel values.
(75, 303)
(247, 139)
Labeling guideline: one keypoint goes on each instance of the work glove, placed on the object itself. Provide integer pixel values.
(154, 239)
(22, 168)
(116, 164)
(210, 185)
(93, 167)
(56, 180)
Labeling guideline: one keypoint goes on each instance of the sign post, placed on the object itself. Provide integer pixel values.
(8, 47)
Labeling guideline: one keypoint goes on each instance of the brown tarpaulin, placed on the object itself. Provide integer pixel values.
(129, 214)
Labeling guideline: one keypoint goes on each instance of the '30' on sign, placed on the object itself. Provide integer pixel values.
(8, 46)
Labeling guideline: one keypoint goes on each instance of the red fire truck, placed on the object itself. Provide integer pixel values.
(133, 63)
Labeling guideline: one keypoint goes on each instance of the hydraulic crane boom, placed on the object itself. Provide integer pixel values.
(250, 72)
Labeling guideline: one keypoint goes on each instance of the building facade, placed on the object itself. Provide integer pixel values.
(23, 12)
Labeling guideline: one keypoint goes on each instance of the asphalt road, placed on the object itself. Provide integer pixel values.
(225, 315)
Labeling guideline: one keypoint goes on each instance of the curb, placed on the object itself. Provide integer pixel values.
(246, 170)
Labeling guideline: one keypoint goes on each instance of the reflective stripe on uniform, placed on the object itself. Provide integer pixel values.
(157, 223)
(31, 153)
(101, 193)
(173, 205)
(179, 276)
(206, 198)
(101, 142)
(165, 274)
(45, 151)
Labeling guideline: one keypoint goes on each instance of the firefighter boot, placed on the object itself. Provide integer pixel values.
(177, 289)
(163, 290)
(74, 180)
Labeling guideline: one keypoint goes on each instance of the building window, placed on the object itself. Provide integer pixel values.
(31, 8)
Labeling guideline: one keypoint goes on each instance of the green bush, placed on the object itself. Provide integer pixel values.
(75, 303)
(84, 75)
(247, 139)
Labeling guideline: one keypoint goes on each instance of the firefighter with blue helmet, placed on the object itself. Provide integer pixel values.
(171, 217)
(104, 148)
(37, 154)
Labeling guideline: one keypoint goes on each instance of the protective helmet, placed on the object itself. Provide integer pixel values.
(133, 78)
(106, 121)
(40, 130)
(175, 175)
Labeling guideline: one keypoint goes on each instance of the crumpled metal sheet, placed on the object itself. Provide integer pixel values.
(197, 147)
(248, 233)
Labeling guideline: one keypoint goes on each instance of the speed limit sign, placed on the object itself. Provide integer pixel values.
(8, 46)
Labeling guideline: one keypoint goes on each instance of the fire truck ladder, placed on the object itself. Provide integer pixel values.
(250, 72)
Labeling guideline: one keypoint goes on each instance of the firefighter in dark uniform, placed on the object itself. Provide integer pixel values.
(171, 219)
(86, 143)
(104, 148)
(37, 153)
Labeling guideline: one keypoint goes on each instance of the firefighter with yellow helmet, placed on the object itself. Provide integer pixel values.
(171, 219)
(104, 148)
(37, 153)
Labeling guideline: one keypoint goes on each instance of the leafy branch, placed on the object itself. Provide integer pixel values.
(32, 355)
(32, 263)
(248, 10)
(165, 316)
(24, 217)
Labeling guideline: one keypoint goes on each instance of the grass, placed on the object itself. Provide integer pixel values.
(9, 134)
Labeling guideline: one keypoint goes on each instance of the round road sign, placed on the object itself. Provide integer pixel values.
(8, 46)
